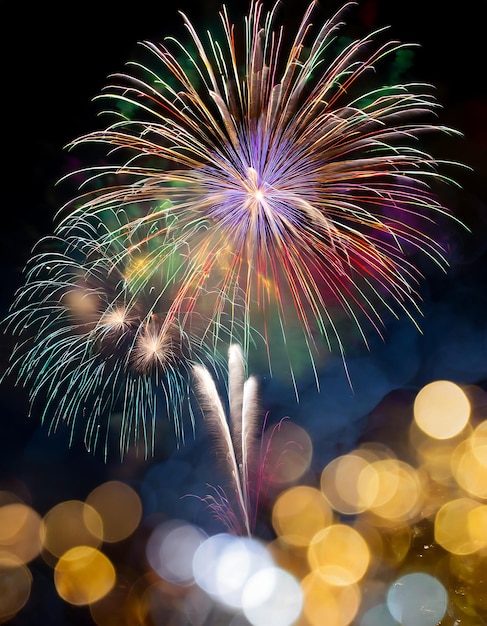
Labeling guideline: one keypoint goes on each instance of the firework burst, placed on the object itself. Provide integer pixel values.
(288, 175)
(99, 342)
(260, 189)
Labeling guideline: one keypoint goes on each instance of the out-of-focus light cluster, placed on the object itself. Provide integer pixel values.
(381, 535)
(377, 541)
(68, 538)
(388, 537)
(238, 575)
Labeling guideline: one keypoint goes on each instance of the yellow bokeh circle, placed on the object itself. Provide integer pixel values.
(441, 409)
(83, 575)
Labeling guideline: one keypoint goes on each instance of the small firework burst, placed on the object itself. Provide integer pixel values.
(93, 350)
(286, 177)
(155, 346)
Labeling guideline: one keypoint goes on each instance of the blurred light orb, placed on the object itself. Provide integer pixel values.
(171, 548)
(119, 507)
(457, 526)
(290, 454)
(19, 531)
(15, 585)
(469, 467)
(329, 605)
(223, 564)
(69, 524)
(339, 554)
(417, 599)
(205, 562)
(400, 490)
(347, 485)
(299, 513)
(378, 615)
(479, 437)
(83, 575)
(434, 455)
(477, 525)
(441, 409)
(272, 596)
(82, 302)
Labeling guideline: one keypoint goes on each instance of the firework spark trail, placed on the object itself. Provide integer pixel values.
(278, 178)
(216, 419)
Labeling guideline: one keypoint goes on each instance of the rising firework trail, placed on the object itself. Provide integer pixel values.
(238, 436)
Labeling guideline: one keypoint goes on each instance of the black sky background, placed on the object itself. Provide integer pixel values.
(56, 57)
(55, 60)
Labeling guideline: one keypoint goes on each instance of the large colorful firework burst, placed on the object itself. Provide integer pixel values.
(284, 178)
(258, 189)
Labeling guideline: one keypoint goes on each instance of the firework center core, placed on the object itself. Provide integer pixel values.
(254, 189)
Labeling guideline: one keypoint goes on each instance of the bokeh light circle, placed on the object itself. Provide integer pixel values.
(441, 409)
(469, 467)
(400, 490)
(326, 604)
(299, 513)
(223, 564)
(378, 615)
(289, 452)
(456, 529)
(171, 548)
(19, 531)
(83, 575)
(339, 554)
(15, 586)
(479, 436)
(119, 507)
(417, 599)
(346, 483)
(272, 596)
(69, 524)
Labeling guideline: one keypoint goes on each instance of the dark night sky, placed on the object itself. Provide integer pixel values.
(55, 60)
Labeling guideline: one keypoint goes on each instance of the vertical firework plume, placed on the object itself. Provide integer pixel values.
(239, 444)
